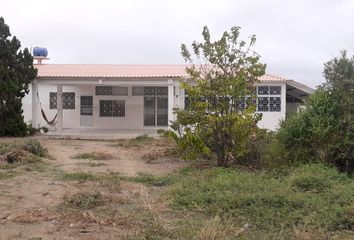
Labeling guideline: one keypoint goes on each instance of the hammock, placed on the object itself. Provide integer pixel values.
(50, 123)
(53, 121)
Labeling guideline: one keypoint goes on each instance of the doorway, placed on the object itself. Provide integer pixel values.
(86, 110)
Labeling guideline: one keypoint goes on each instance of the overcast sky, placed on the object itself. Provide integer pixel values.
(294, 37)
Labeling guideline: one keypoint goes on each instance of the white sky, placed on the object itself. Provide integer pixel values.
(294, 37)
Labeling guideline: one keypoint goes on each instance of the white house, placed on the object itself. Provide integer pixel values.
(133, 97)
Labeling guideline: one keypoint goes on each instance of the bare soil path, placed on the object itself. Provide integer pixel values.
(29, 200)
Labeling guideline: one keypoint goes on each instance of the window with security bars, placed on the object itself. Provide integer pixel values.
(112, 108)
(138, 91)
(111, 91)
(263, 104)
(275, 90)
(150, 91)
(274, 104)
(162, 91)
(53, 100)
(263, 90)
(68, 99)
(103, 90)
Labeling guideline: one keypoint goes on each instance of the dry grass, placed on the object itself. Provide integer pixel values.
(152, 157)
(86, 200)
(91, 164)
(216, 228)
(94, 156)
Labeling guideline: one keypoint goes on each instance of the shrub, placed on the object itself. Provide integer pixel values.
(143, 139)
(31, 130)
(214, 123)
(30, 145)
(35, 147)
(324, 130)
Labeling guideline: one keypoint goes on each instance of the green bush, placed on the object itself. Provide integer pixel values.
(324, 130)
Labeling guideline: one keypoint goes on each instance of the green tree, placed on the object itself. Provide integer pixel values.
(16, 72)
(216, 123)
(324, 130)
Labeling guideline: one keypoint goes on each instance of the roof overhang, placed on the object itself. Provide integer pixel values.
(114, 74)
(300, 86)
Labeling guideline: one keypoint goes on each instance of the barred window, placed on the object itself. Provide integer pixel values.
(103, 90)
(275, 104)
(53, 100)
(111, 91)
(275, 90)
(112, 108)
(263, 90)
(120, 91)
(263, 104)
(68, 100)
(138, 91)
(150, 91)
(162, 91)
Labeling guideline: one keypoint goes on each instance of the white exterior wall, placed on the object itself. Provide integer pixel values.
(271, 120)
(134, 108)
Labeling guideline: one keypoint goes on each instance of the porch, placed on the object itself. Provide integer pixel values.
(104, 108)
(101, 134)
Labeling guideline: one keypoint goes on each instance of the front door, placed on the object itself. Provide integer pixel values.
(86, 110)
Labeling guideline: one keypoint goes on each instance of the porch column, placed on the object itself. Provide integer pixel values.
(170, 101)
(35, 103)
(60, 107)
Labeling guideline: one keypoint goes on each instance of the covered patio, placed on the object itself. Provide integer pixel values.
(105, 100)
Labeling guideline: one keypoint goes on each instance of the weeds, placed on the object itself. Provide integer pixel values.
(85, 200)
(151, 157)
(34, 146)
(151, 180)
(91, 164)
(135, 142)
(313, 196)
(7, 174)
(94, 156)
(30, 145)
(78, 176)
(20, 156)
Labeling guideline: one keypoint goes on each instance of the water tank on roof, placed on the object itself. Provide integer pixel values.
(40, 52)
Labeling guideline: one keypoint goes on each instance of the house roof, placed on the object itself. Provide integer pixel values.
(121, 71)
(125, 71)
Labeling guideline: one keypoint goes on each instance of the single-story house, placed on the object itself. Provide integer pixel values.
(134, 97)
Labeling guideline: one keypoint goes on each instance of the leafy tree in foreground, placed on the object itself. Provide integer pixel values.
(324, 130)
(216, 123)
(16, 72)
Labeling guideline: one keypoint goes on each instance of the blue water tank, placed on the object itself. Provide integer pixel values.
(40, 52)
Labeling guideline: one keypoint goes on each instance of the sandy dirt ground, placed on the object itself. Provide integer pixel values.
(29, 200)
